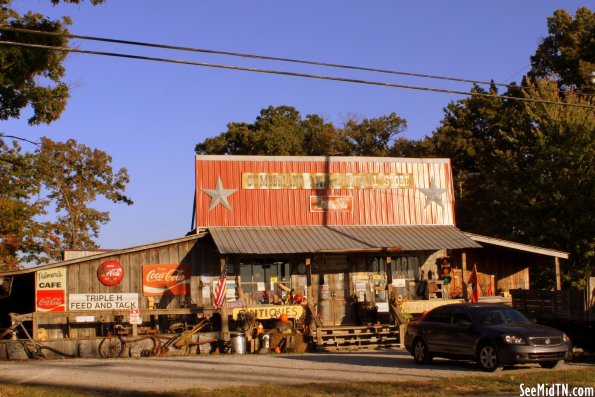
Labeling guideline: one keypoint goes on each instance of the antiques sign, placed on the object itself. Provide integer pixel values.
(161, 280)
(270, 312)
(116, 301)
(50, 290)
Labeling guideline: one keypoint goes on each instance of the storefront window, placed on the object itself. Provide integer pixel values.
(406, 267)
(406, 275)
(260, 282)
(377, 269)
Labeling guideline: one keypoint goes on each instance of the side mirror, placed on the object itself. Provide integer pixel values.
(533, 320)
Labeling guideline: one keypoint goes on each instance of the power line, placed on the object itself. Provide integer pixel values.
(252, 56)
(2, 135)
(285, 73)
(264, 57)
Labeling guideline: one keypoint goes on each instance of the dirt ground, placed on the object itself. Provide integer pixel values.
(219, 371)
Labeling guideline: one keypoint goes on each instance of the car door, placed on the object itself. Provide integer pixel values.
(459, 333)
(433, 328)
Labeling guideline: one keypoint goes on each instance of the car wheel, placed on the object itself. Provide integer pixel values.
(549, 364)
(487, 357)
(421, 354)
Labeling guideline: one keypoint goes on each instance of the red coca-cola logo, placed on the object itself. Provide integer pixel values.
(51, 300)
(110, 273)
(168, 275)
(165, 279)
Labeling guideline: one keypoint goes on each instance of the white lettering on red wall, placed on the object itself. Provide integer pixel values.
(110, 273)
(168, 279)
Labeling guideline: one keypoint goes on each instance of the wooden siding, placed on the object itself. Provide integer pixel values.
(82, 278)
(291, 207)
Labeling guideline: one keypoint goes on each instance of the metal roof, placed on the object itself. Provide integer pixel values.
(105, 254)
(518, 246)
(312, 239)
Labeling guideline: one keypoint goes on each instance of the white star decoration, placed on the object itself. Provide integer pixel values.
(219, 195)
(433, 193)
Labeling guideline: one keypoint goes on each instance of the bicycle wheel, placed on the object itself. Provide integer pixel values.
(111, 347)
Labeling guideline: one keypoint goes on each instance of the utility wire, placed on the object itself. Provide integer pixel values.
(285, 73)
(243, 55)
(2, 135)
(264, 57)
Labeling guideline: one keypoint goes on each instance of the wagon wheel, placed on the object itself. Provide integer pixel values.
(111, 347)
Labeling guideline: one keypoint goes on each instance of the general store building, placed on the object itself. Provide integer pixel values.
(345, 233)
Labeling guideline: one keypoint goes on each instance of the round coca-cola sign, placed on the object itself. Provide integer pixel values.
(110, 273)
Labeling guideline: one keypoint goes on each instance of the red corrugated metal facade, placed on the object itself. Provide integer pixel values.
(426, 197)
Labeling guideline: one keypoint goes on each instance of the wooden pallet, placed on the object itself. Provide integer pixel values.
(357, 337)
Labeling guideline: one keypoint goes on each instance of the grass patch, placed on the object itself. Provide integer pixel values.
(447, 387)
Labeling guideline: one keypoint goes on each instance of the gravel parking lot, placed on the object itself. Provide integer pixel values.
(219, 371)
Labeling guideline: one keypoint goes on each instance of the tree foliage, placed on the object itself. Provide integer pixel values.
(282, 131)
(60, 179)
(568, 51)
(524, 171)
(31, 76)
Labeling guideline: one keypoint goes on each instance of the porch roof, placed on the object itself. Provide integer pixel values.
(329, 239)
(518, 246)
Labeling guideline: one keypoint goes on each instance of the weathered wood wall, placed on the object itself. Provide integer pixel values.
(198, 254)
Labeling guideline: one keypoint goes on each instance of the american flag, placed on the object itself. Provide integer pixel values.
(220, 289)
(474, 281)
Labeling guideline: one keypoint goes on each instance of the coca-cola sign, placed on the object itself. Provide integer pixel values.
(110, 273)
(165, 279)
(51, 300)
(50, 290)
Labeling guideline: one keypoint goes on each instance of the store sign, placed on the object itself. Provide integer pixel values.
(50, 290)
(161, 280)
(123, 301)
(110, 273)
(270, 312)
(331, 203)
(307, 180)
(135, 317)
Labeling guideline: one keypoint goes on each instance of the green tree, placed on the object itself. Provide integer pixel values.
(74, 176)
(71, 174)
(20, 204)
(559, 162)
(374, 137)
(524, 171)
(30, 76)
(60, 179)
(568, 51)
(282, 131)
(278, 131)
(480, 136)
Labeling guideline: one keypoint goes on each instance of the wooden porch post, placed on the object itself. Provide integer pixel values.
(558, 275)
(464, 274)
(309, 278)
(224, 314)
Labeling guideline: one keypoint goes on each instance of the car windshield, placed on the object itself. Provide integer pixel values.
(497, 315)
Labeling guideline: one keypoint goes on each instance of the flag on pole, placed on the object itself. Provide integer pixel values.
(220, 289)
(474, 281)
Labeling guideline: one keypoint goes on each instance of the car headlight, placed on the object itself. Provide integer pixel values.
(565, 338)
(513, 340)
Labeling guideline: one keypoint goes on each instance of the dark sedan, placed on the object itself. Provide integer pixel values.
(492, 335)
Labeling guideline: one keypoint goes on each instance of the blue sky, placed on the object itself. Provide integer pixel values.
(149, 116)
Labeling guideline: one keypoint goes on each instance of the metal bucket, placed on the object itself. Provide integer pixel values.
(238, 343)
